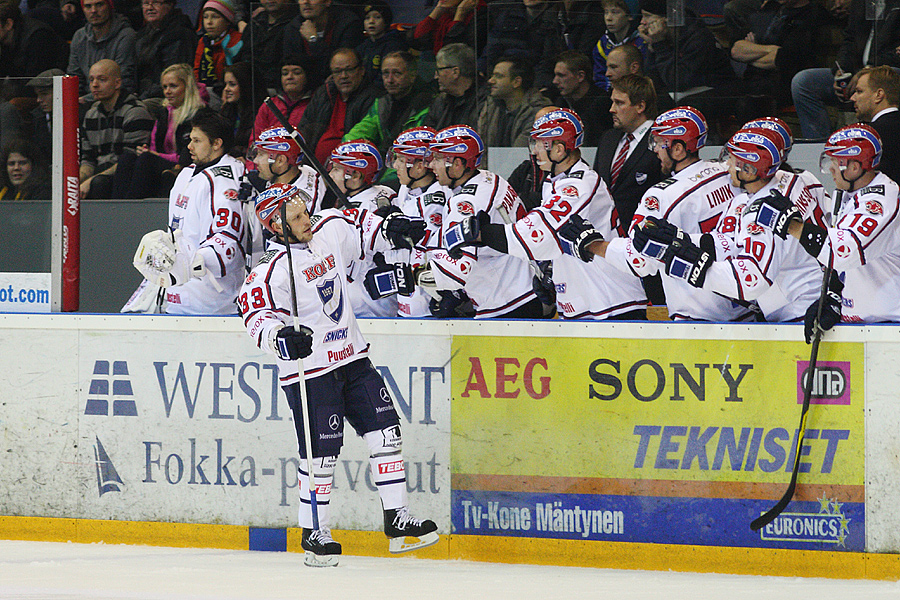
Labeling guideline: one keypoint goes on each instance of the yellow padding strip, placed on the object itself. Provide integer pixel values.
(573, 553)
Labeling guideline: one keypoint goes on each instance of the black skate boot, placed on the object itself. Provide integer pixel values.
(321, 549)
(406, 532)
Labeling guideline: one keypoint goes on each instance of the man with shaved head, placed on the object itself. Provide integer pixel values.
(117, 122)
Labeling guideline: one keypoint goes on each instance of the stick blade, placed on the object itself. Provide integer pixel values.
(770, 515)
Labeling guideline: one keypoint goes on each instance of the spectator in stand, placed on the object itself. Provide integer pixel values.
(219, 47)
(25, 174)
(621, 19)
(167, 38)
(462, 93)
(403, 106)
(72, 16)
(240, 102)
(42, 114)
(297, 85)
(320, 29)
(509, 111)
(338, 105)
(117, 122)
(572, 78)
(150, 170)
(866, 43)
(737, 17)
(876, 98)
(581, 24)
(452, 22)
(265, 39)
(627, 60)
(380, 41)
(12, 125)
(27, 47)
(781, 40)
(530, 29)
(106, 35)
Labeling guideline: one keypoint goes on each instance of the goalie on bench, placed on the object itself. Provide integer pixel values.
(340, 381)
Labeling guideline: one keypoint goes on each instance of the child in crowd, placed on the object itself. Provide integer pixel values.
(381, 40)
(622, 18)
(219, 46)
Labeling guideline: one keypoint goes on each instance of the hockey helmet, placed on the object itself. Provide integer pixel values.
(414, 144)
(268, 203)
(757, 151)
(277, 140)
(459, 141)
(859, 142)
(778, 126)
(683, 124)
(561, 125)
(360, 156)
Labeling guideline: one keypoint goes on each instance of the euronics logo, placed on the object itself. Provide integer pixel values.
(828, 526)
(108, 479)
(106, 386)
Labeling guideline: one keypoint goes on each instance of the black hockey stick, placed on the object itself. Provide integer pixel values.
(304, 401)
(770, 515)
(307, 152)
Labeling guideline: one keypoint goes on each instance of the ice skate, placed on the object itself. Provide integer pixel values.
(407, 533)
(321, 549)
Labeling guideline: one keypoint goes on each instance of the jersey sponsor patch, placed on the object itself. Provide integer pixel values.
(465, 208)
(874, 207)
(434, 198)
(335, 335)
(222, 171)
(230, 194)
(470, 189)
(665, 183)
(651, 203)
(872, 189)
(313, 220)
(268, 256)
(577, 175)
(537, 236)
(754, 228)
(751, 280)
(181, 201)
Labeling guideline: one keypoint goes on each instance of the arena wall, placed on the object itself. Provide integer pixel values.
(596, 444)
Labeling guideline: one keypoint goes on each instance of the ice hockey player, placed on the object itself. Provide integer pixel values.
(692, 199)
(594, 290)
(199, 261)
(864, 244)
(339, 379)
(498, 284)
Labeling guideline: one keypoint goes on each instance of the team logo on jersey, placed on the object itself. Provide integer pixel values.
(434, 198)
(651, 203)
(250, 277)
(537, 236)
(435, 219)
(569, 190)
(223, 171)
(874, 207)
(465, 208)
(754, 228)
(332, 299)
(230, 194)
(640, 178)
(739, 209)
(181, 201)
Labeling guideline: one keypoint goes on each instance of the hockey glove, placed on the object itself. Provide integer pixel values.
(652, 237)
(384, 211)
(291, 344)
(465, 233)
(453, 304)
(684, 260)
(245, 191)
(775, 212)
(425, 279)
(576, 235)
(402, 231)
(831, 309)
(386, 280)
(543, 286)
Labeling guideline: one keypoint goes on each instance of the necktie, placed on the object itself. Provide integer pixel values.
(620, 158)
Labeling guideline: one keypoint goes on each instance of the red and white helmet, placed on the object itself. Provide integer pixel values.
(459, 141)
(761, 149)
(562, 125)
(778, 126)
(359, 156)
(414, 144)
(859, 142)
(268, 203)
(277, 140)
(683, 124)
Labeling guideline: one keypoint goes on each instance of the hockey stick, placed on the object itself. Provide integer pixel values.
(304, 401)
(770, 515)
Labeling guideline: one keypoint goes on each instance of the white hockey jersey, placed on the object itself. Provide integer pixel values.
(594, 290)
(204, 205)
(865, 247)
(496, 283)
(758, 265)
(430, 204)
(692, 199)
(323, 305)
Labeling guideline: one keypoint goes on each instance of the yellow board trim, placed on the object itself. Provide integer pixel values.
(536, 551)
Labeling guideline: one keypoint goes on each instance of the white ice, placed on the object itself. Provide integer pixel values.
(55, 571)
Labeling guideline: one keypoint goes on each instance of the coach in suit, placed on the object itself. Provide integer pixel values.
(876, 98)
(624, 159)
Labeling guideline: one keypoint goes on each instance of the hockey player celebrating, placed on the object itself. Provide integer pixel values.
(864, 244)
(692, 199)
(309, 278)
(199, 261)
(498, 284)
(584, 290)
(279, 158)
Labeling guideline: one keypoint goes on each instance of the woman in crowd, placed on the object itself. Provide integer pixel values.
(151, 170)
(240, 101)
(297, 86)
(24, 175)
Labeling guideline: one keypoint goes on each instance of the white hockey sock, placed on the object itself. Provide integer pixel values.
(323, 471)
(386, 462)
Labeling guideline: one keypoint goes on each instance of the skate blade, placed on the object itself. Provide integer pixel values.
(408, 543)
(311, 559)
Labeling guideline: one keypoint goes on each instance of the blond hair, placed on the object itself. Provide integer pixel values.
(192, 101)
